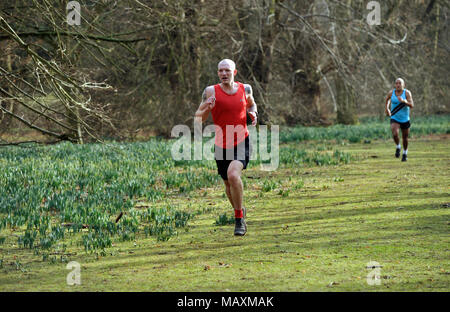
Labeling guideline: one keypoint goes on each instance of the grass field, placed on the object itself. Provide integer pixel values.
(312, 226)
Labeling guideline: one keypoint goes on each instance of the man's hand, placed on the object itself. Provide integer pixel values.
(207, 104)
(210, 103)
(251, 105)
(253, 117)
(400, 99)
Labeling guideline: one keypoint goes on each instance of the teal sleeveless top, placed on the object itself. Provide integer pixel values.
(403, 114)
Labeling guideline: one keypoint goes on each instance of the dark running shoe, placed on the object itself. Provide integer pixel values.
(240, 227)
(397, 152)
(404, 157)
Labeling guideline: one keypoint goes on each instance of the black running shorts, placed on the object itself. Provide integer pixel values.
(403, 125)
(240, 152)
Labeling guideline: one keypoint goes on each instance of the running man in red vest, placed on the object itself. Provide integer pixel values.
(229, 101)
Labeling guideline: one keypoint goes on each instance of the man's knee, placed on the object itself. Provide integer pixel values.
(234, 172)
(233, 177)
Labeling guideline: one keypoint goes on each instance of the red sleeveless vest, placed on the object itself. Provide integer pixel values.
(230, 110)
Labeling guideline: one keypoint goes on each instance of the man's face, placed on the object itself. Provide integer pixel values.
(398, 85)
(225, 72)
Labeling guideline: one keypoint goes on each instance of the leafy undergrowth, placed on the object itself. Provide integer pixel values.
(52, 196)
(310, 228)
(369, 129)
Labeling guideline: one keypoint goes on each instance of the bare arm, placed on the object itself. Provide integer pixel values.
(409, 101)
(207, 104)
(388, 102)
(251, 105)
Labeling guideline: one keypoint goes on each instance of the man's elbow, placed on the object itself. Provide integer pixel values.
(251, 107)
(199, 117)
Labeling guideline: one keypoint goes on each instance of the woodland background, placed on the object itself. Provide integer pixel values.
(136, 68)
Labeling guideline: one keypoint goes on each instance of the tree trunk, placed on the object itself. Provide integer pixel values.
(5, 119)
(346, 103)
(306, 90)
(306, 79)
(346, 100)
(259, 30)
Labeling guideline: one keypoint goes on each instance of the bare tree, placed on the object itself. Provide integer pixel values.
(49, 94)
(139, 66)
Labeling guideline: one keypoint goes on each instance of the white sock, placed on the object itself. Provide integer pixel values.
(405, 152)
(399, 146)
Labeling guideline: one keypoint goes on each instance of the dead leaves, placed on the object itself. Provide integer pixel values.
(331, 284)
(224, 265)
(221, 264)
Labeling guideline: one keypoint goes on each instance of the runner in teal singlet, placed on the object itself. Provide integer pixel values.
(401, 102)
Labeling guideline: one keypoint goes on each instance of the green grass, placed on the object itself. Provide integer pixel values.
(51, 194)
(46, 188)
(368, 129)
(312, 226)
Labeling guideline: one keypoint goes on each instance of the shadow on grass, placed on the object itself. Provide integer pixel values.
(263, 243)
(305, 213)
